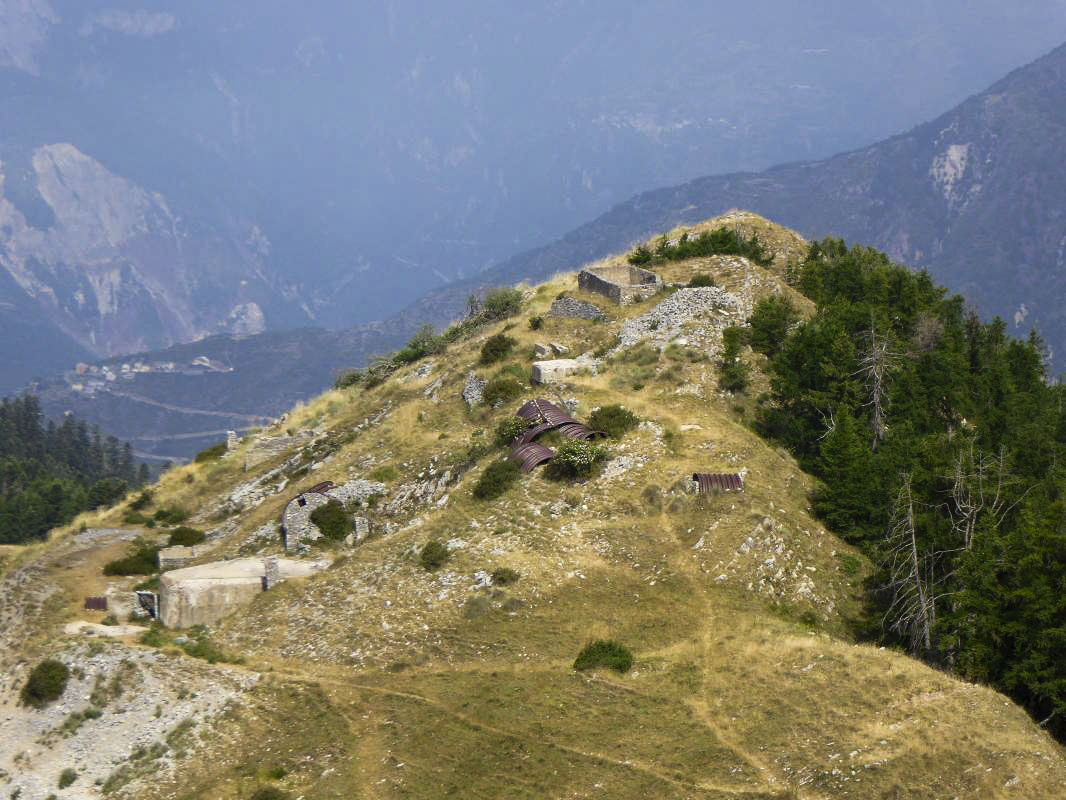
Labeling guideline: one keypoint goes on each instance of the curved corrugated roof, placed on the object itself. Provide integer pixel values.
(530, 456)
(725, 482)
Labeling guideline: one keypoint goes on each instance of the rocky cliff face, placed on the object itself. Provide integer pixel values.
(115, 268)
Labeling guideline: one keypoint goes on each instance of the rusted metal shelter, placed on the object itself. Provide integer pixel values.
(552, 417)
(530, 456)
(547, 417)
(96, 604)
(708, 482)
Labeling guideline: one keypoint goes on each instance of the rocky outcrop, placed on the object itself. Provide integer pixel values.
(473, 389)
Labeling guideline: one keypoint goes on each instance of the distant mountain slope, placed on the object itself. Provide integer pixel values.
(241, 167)
(978, 196)
(172, 403)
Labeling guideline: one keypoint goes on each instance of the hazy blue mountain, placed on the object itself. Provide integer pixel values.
(977, 196)
(175, 170)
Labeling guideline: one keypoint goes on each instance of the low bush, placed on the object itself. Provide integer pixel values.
(502, 390)
(421, 345)
(536, 323)
(733, 373)
(173, 515)
(497, 478)
(496, 348)
(185, 537)
(614, 420)
(576, 459)
(212, 453)
(500, 304)
(142, 500)
(509, 429)
(269, 793)
(433, 555)
(384, 473)
(67, 777)
(142, 559)
(45, 684)
(348, 378)
(604, 653)
(700, 280)
(504, 576)
(332, 520)
(135, 518)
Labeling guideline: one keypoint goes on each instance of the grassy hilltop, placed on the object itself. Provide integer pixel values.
(380, 678)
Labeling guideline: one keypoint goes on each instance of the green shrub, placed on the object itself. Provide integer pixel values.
(576, 459)
(212, 453)
(770, 322)
(497, 478)
(701, 280)
(110, 619)
(171, 516)
(508, 429)
(502, 390)
(67, 777)
(536, 323)
(148, 585)
(604, 653)
(640, 256)
(348, 378)
(433, 555)
(154, 636)
(135, 518)
(45, 684)
(496, 348)
(504, 576)
(614, 420)
(642, 355)
(422, 344)
(332, 520)
(500, 304)
(733, 372)
(142, 559)
(185, 537)
(142, 500)
(384, 473)
(269, 793)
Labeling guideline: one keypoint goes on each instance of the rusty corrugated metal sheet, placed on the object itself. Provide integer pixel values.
(96, 604)
(577, 430)
(320, 488)
(530, 434)
(715, 481)
(530, 456)
(546, 411)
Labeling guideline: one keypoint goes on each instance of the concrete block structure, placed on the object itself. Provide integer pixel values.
(177, 557)
(622, 283)
(557, 369)
(204, 594)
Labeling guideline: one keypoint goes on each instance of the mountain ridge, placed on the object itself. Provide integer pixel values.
(388, 674)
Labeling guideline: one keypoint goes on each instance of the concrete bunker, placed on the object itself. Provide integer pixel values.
(621, 283)
(204, 594)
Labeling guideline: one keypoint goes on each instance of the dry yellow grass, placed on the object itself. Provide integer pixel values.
(390, 681)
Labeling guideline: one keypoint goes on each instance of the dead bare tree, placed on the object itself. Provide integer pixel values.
(912, 612)
(874, 368)
(978, 489)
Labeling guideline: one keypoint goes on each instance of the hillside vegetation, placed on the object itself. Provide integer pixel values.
(609, 636)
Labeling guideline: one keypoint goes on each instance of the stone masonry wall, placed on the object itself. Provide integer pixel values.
(621, 284)
(575, 309)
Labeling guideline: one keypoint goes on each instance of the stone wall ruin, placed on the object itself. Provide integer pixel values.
(621, 283)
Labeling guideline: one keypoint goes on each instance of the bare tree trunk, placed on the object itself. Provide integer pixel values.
(911, 612)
